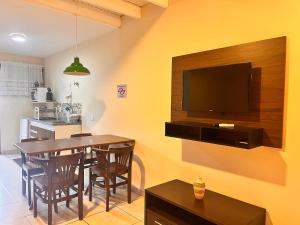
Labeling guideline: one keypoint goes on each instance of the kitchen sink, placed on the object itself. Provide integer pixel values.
(56, 122)
(48, 119)
(52, 121)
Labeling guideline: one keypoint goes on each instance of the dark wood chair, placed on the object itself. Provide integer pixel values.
(81, 135)
(29, 169)
(113, 166)
(89, 156)
(55, 184)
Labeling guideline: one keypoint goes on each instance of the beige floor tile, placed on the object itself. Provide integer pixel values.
(65, 216)
(89, 208)
(13, 156)
(100, 200)
(79, 222)
(13, 212)
(121, 194)
(136, 208)
(11, 181)
(24, 205)
(12, 167)
(14, 209)
(114, 216)
(115, 199)
(5, 197)
(19, 221)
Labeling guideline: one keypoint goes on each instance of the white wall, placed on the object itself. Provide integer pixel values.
(12, 109)
(140, 54)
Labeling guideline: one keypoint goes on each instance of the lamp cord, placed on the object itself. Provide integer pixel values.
(76, 35)
(76, 27)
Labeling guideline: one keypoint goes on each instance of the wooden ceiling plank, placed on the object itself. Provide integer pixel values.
(161, 3)
(118, 6)
(86, 12)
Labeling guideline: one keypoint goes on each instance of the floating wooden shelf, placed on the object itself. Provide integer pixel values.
(242, 137)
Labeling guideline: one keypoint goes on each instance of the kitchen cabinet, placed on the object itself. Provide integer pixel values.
(46, 130)
(37, 132)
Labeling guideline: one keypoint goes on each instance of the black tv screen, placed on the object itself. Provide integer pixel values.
(217, 89)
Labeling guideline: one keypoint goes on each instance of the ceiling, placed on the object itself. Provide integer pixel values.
(50, 25)
(47, 31)
(138, 2)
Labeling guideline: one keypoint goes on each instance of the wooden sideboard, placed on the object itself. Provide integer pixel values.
(173, 203)
(242, 137)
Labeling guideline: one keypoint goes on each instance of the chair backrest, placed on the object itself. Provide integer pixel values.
(30, 139)
(122, 161)
(34, 139)
(65, 167)
(81, 135)
(62, 169)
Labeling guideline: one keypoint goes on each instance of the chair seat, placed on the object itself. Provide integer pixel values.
(42, 181)
(32, 167)
(101, 172)
(121, 145)
(89, 158)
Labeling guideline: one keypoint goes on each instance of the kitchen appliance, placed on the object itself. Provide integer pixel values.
(49, 95)
(24, 128)
(39, 94)
(45, 113)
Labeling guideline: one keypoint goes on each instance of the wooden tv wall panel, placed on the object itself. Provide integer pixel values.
(267, 86)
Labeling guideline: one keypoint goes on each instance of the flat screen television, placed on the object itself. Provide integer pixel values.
(219, 89)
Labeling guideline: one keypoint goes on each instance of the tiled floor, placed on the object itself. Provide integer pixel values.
(14, 209)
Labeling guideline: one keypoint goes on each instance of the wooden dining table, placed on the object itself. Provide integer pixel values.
(50, 146)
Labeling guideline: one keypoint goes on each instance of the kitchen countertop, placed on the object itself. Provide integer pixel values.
(55, 122)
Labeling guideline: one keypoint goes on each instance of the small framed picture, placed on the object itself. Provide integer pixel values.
(122, 90)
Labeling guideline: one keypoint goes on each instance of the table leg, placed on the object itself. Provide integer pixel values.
(23, 160)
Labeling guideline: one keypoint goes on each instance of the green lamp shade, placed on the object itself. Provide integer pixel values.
(76, 68)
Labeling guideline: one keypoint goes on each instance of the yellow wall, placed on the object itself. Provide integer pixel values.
(139, 55)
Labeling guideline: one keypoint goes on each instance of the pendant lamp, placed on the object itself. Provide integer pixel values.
(76, 68)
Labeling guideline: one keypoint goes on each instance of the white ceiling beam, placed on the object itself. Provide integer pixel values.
(119, 6)
(161, 3)
(80, 10)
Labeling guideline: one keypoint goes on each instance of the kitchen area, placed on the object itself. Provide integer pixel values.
(50, 119)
